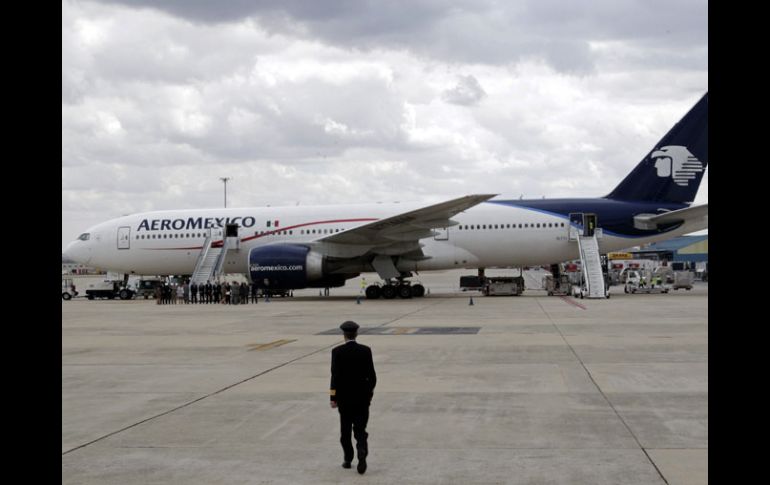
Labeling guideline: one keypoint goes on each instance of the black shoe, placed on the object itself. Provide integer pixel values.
(361, 466)
(345, 464)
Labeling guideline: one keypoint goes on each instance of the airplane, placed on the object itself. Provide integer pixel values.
(298, 247)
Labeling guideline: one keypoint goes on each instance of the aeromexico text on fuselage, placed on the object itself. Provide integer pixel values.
(194, 223)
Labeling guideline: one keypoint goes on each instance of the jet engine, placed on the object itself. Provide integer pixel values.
(291, 266)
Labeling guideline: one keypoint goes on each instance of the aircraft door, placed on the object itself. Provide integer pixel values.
(575, 225)
(124, 238)
(442, 234)
(589, 224)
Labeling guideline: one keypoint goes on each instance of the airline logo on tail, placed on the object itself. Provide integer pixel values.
(676, 161)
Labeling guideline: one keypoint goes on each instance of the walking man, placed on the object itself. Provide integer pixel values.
(351, 390)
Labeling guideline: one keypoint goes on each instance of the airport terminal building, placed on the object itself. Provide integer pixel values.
(688, 249)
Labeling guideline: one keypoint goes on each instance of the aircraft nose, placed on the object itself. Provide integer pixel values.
(78, 252)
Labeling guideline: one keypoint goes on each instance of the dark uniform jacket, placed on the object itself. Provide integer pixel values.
(353, 376)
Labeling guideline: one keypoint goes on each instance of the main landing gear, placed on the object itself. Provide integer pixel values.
(391, 289)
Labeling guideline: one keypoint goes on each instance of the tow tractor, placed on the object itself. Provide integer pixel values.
(68, 291)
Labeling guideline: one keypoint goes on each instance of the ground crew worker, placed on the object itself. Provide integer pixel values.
(254, 297)
(351, 390)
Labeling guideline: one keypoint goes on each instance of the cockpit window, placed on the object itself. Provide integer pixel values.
(84, 237)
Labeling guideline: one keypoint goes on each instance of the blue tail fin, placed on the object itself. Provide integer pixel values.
(672, 171)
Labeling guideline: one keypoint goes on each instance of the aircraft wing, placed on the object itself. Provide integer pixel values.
(653, 221)
(396, 235)
(408, 226)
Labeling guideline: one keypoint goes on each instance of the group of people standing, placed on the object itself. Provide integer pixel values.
(192, 293)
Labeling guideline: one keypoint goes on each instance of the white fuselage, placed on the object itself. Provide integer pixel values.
(169, 242)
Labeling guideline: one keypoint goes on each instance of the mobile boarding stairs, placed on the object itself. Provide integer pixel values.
(584, 231)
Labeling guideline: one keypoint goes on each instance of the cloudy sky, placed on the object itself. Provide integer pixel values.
(350, 101)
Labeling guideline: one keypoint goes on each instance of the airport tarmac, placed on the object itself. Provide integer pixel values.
(520, 390)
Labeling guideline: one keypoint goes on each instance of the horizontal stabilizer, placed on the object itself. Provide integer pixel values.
(652, 222)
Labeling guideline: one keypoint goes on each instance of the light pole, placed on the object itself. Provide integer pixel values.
(225, 179)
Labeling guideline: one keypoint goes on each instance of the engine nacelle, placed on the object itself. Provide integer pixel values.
(289, 267)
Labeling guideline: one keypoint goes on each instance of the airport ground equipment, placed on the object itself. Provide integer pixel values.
(583, 229)
(471, 283)
(66, 289)
(110, 290)
(493, 285)
(557, 285)
(146, 287)
(211, 260)
(683, 279)
(503, 286)
(644, 282)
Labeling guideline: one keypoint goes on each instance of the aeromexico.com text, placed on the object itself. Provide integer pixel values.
(193, 223)
(277, 267)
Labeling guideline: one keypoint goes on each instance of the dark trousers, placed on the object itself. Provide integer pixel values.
(355, 419)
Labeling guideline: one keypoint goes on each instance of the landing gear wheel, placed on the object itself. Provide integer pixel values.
(418, 291)
(405, 291)
(388, 292)
(372, 292)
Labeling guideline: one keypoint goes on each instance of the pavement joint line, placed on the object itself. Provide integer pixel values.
(598, 388)
(126, 428)
(402, 316)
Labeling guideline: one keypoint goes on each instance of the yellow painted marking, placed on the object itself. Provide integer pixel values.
(402, 330)
(271, 345)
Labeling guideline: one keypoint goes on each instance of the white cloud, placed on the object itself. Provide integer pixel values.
(363, 103)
